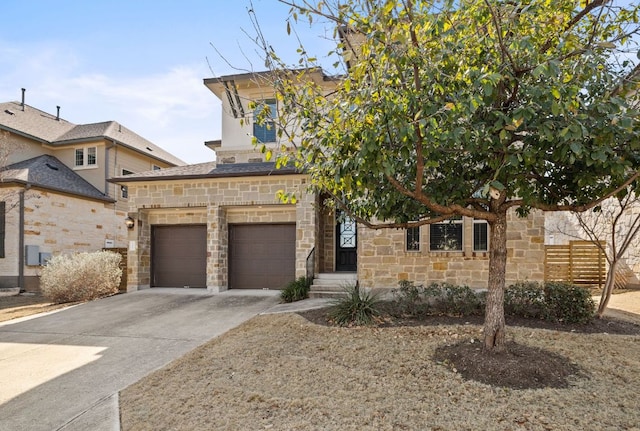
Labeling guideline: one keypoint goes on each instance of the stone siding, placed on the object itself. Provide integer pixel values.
(57, 224)
(383, 261)
(218, 203)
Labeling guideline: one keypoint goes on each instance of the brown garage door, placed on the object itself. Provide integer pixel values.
(262, 256)
(179, 256)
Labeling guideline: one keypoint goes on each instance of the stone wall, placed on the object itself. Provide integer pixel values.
(218, 203)
(58, 224)
(383, 261)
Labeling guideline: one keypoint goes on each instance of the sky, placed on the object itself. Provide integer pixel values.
(140, 62)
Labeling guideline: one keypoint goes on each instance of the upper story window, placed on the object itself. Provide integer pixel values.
(412, 239)
(446, 236)
(155, 168)
(124, 190)
(480, 235)
(265, 132)
(86, 157)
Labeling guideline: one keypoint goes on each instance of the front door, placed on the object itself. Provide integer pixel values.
(346, 244)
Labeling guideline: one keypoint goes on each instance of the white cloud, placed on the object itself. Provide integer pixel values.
(171, 108)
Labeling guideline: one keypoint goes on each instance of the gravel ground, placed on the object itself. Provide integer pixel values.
(283, 372)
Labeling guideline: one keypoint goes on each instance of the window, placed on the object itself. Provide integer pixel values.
(267, 131)
(413, 239)
(2, 227)
(480, 235)
(446, 236)
(156, 168)
(85, 157)
(124, 190)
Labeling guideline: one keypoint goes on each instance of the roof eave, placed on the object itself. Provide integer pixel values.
(23, 134)
(115, 141)
(27, 184)
(121, 180)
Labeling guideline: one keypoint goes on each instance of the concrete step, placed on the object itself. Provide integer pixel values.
(328, 287)
(331, 282)
(349, 276)
(326, 294)
(332, 285)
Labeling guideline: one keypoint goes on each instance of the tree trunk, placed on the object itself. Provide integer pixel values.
(609, 284)
(494, 325)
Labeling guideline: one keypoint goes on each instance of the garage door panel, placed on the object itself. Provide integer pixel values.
(261, 256)
(179, 256)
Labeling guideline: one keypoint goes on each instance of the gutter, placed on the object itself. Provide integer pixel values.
(61, 191)
(204, 176)
(106, 167)
(24, 135)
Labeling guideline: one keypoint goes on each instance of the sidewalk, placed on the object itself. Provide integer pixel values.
(624, 306)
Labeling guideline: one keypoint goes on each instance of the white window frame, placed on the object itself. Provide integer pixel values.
(473, 235)
(124, 190)
(85, 157)
(408, 247)
(452, 221)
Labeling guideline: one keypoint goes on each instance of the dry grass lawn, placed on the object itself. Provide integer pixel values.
(282, 372)
(13, 307)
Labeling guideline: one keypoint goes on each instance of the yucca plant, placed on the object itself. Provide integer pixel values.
(296, 290)
(357, 308)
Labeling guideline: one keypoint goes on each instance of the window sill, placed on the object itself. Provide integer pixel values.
(84, 168)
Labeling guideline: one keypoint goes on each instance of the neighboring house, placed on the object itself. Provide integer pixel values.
(54, 194)
(221, 226)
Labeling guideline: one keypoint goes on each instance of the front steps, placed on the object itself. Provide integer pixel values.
(332, 285)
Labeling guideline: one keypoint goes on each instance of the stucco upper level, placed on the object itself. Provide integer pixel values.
(237, 92)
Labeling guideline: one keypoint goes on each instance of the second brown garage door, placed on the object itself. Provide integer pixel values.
(179, 256)
(262, 256)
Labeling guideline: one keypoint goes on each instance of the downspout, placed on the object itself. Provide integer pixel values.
(106, 183)
(21, 240)
(106, 168)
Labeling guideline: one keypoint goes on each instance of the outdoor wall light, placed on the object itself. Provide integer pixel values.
(129, 222)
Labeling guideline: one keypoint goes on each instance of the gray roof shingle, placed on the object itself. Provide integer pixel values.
(50, 173)
(45, 127)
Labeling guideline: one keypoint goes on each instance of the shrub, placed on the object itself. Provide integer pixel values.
(410, 299)
(567, 303)
(296, 290)
(357, 308)
(525, 299)
(458, 300)
(416, 300)
(81, 276)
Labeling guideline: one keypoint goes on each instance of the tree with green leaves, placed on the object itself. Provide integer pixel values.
(466, 108)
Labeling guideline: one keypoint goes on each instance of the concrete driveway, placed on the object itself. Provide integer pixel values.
(63, 371)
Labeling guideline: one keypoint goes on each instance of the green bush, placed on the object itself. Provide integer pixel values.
(525, 299)
(417, 300)
(81, 276)
(411, 299)
(357, 308)
(458, 300)
(559, 302)
(296, 290)
(568, 303)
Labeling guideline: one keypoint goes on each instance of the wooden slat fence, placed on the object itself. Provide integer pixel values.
(579, 262)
